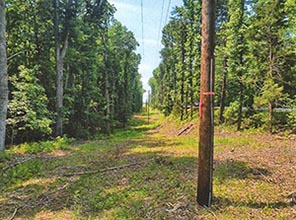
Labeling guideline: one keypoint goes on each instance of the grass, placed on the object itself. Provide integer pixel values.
(253, 176)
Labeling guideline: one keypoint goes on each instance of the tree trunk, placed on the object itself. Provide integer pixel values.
(3, 76)
(107, 90)
(270, 108)
(191, 99)
(125, 102)
(206, 127)
(223, 90)
(191, 64)
(174, 82)
(183, 52)
(240, 108)
(271, 104)
(191, 94)
(186, 103)
(113, 97)
(241, 92)
(240, 73)
(59, 94)
(60, 55)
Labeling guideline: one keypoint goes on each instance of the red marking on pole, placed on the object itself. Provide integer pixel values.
(201, 101)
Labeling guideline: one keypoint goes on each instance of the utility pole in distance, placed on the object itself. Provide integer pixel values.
(148, 105)
(206, 127)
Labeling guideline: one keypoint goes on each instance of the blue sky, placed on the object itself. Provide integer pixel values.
(155, 14)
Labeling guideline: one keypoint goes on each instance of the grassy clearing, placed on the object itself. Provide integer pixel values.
(254, 177)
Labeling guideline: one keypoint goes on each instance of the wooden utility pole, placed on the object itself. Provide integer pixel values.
(148, 104)
(206, 129)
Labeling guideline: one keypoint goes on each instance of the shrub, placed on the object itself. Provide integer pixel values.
(231, 113)
(45, 146)
(291, 119)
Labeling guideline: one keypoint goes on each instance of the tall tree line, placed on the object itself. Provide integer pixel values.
(175, 82)
(255, 62)
(72, 69)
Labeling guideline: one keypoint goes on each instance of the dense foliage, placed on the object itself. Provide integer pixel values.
(101, 86)
(255, 62)
(176, 80)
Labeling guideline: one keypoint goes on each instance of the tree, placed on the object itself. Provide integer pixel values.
(3, 76)
(176, 76)
(270, 46)
(236, 49)
(61, 46)
(92, 72)
(221, 61)
(28, 116)
(125, 72)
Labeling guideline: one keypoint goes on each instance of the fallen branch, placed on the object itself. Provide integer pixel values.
(189, 130)
(25, 159)
(183, 130)
(17, 163)
(14, 213)
(107, 169)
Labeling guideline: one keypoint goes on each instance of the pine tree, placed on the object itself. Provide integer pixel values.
(268, 46)
(236, 50)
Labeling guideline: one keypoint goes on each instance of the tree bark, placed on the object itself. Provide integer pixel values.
(240, 73)
(60, 55)
(241, 92)
(223, 90)
(270, 104)
(240, 108)
(270, 109)
(107, 88)
(183, 52)
(191, 93)
(206, 128)
(3, 76)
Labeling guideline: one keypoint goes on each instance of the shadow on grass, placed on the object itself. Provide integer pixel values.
(130, 193)
(229, 169)
(221, 202)
(155, 144)
(95, 194)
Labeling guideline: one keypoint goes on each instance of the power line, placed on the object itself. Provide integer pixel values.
(166, 18)
(160, 23)
(159, 32)
(142, 21)
(168, 10)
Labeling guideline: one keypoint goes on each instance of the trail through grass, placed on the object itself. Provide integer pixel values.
(254, 177)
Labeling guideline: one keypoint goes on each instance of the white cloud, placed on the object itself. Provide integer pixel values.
(146, 72)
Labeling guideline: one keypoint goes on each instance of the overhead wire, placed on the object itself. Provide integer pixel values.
(159, 32)
(167, 13)
(142, 21)
(165, 22)
(160, 23)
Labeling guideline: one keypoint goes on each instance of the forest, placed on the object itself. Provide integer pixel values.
(78, 142)
(72, 70)
(255, 64)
